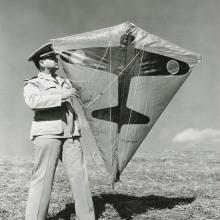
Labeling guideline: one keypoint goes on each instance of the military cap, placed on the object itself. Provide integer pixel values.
(43, 52)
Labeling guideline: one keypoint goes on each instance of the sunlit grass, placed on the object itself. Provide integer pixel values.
(166, 186)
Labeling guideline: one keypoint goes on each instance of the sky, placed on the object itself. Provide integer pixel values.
(190, 122)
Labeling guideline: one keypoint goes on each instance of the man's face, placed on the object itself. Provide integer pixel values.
(50, 63)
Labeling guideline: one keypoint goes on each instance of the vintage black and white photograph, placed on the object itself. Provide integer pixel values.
(109, 110)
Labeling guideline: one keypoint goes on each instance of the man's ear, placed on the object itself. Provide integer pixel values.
(41, 63)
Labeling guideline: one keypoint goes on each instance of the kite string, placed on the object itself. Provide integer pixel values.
(126, 136)
(94, 161)
(89, 80)
(110, 85)
(85, 136)
(110, 105)
(106, 88)
(110, 93)
(93, 70)
(106, 51)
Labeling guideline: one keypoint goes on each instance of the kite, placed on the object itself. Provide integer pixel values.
(126, 77)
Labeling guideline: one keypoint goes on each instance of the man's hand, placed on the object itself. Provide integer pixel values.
(69, 93)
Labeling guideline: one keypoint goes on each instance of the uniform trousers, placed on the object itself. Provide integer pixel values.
(46, 155)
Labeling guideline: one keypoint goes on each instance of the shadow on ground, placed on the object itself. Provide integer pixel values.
(64, 214)
(127, 205)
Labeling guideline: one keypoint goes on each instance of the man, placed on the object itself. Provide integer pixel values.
(55, 134)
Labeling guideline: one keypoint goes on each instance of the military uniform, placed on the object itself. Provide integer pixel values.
(53, 118)
(55, 134)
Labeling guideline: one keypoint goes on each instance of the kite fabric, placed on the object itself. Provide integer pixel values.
(126, 77)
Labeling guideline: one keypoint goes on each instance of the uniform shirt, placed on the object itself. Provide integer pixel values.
(54, 118)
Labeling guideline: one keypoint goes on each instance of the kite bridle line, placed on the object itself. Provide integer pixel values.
(109, 87)
(89, 80)
(93, 70)
(114, 150)
(87, 143)
(88, 149)
(106, 51)
(114, 145)
(139, 71)
(110, 93)
(120, 73)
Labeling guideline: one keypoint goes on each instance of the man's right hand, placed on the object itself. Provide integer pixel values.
(69, 93)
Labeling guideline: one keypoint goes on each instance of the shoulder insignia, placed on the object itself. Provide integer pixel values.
(29, 80)
(60, 76)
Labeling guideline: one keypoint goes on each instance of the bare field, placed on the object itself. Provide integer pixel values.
(164, 186)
